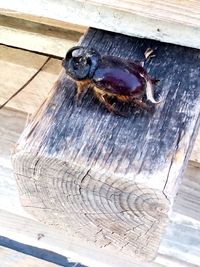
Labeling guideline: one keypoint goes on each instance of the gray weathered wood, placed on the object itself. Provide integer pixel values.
(107, 179)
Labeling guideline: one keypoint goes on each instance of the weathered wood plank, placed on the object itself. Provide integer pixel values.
(12, 226)
(168, 22)
(36, 36)
(187, 201)
(12, 258)
(115, 177)
(42, 20)
(17, 66)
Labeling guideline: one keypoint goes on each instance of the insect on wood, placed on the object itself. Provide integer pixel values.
(110, 77)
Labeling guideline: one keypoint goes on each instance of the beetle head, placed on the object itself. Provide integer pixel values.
(80, 62)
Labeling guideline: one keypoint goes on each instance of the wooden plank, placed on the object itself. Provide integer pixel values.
(17, 67)
(187, 201)
(11, 126)
(41, 20)
(114, 189)
(12, 258)
(187, 254)
(168, 22)
(36, 36)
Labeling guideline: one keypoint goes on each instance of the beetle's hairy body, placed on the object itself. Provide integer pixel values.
(109, 76)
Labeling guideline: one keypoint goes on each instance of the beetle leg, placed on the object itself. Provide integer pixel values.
(141, 104)
(147, 55)
(154, 81)
(81, 87)
(103, 99)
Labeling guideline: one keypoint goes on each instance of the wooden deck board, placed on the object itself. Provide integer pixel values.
(172, 21)
(174, 251)
(35, 36)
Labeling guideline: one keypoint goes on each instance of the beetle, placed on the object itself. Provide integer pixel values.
(110, 76)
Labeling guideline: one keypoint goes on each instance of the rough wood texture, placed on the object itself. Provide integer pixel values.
(186, 237)
(42, 20)
(35, 36)
(17, 66)
(107, 179)
(174, 250)
(170, 21)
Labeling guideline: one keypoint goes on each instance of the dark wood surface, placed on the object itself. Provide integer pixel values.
(108, 179)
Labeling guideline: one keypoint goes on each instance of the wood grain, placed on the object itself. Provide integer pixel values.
(12, 122)
(188, 12)
(187, 203)
(172, 21)
(35, 36)
(111, 180)
(17, 66)
(180, 230)
(41, 20)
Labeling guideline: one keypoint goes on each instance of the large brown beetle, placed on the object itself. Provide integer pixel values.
(109, 76)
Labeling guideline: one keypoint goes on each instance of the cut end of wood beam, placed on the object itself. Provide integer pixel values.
(112, 213)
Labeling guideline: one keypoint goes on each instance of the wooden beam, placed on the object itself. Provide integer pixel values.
(107, 179)
(35, 36)
(168, 22)
(187, 201)
(41, 21)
